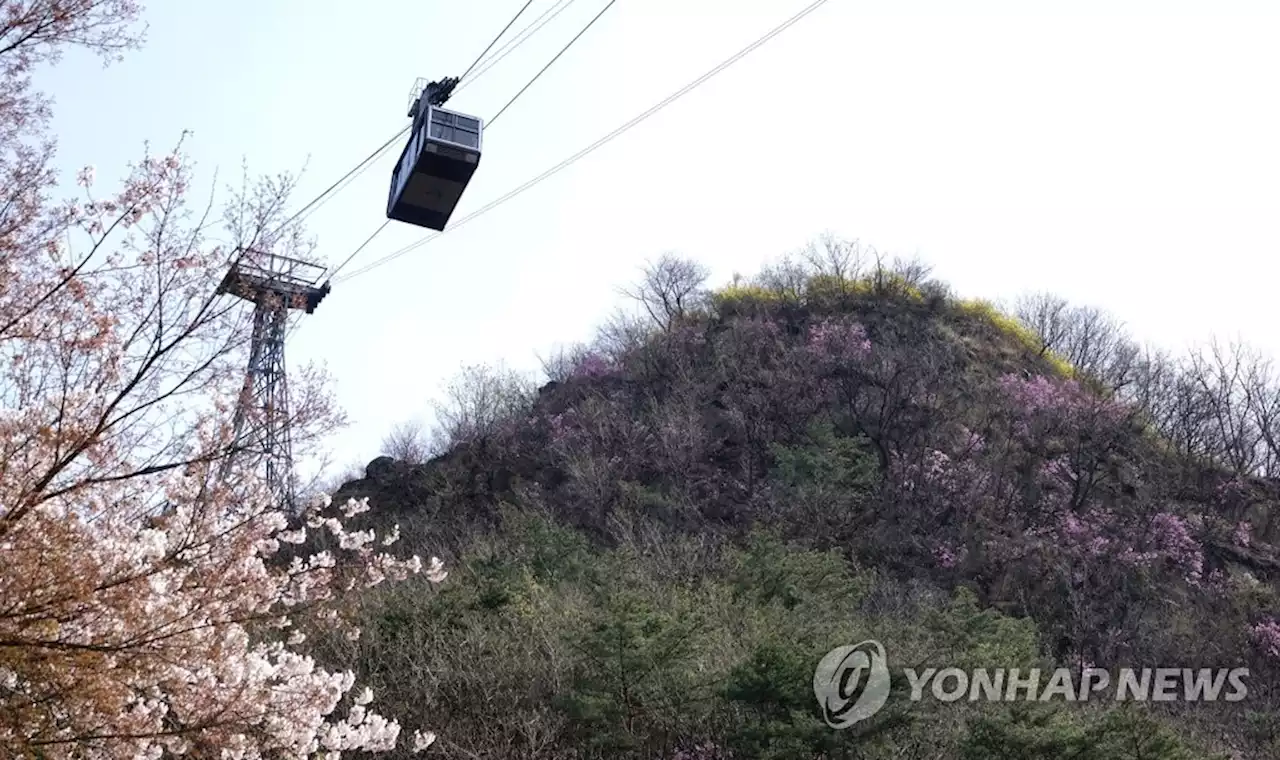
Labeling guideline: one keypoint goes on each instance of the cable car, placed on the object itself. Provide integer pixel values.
(437, 163)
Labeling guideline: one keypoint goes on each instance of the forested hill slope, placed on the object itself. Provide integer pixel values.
(652, 551)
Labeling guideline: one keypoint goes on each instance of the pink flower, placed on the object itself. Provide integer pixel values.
(839, 341)
(593, 365)
(947, 556)
(1172, 537)
(1059, 402)
(1266, 636)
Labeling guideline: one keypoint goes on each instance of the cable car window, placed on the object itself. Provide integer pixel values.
(471, 125)
(440, 131)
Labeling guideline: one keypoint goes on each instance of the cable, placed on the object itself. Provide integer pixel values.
(343, 183)
(359, 167)
(553, 60)
(601, 142)
(367, 162)
(490, 122)
(320, 199)
(521, 38)
(480, 57)
(366, 242)
(511, 45)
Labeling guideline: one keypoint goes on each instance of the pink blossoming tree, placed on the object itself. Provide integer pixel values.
(146, 609)
(1265, 635)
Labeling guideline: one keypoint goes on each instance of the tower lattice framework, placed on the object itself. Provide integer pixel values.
(275, 285)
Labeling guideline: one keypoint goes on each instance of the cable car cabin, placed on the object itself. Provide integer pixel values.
(435, 167)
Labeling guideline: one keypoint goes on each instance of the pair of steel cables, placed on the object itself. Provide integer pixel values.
(482, 65)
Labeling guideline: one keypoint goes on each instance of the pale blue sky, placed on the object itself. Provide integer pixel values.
(1124, 154)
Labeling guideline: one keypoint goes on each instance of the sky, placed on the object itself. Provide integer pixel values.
(1122, 154)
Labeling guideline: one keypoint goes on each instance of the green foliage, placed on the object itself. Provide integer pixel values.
(825, 485)
(827, 460)
(829, 291)
(634, 675)
(820, 292)
(611, 653)
(775, 680)
(650, 502)
(1263, 728)
(746, 300)
(775, 686)
(731, 530)
(1031, 731)
(889, 284)
(769, 572)
(982, 309)
(826, 291)
(552, 552)
(969, 636)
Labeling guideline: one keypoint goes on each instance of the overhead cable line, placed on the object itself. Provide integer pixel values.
(480, 57)
(360, 167)
(576, 37)
(350, 177)
(553, 60)
(316, 202)
(599, 143)
(360, 248)
(511, 45)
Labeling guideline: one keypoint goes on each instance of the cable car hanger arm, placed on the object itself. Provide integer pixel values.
(437, 93)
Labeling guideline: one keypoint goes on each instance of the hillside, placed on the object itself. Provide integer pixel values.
(650, 553)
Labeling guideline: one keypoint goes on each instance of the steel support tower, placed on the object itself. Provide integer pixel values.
(275, 285)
